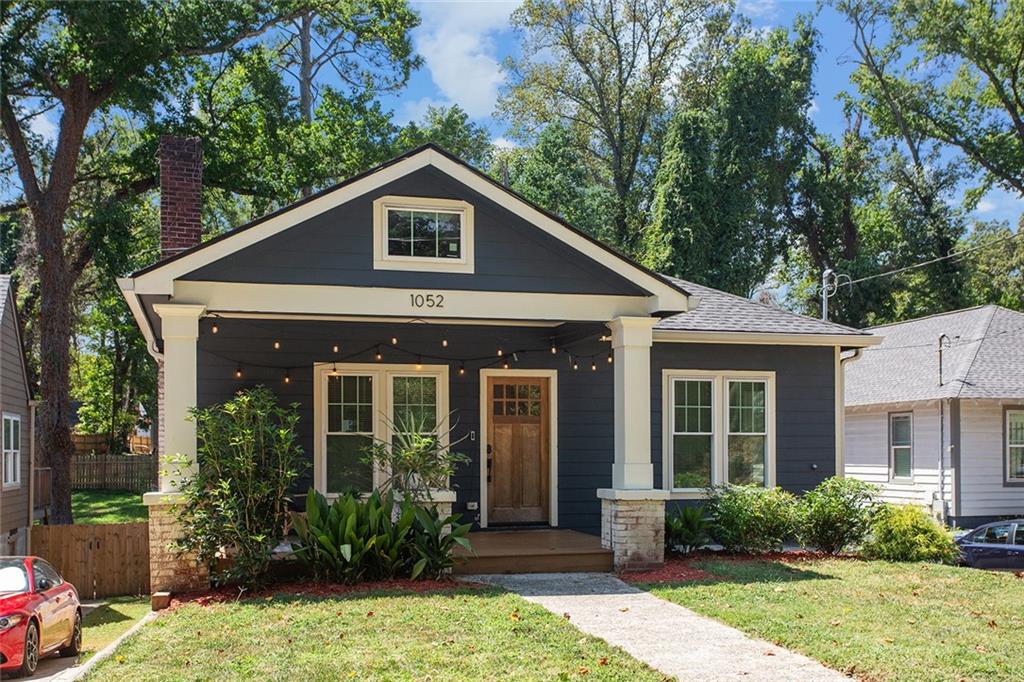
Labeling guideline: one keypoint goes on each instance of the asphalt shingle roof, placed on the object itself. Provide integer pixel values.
(718, 311)
(984, 359)
(5, 286)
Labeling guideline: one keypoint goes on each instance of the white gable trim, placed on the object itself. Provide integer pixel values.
(160, 279)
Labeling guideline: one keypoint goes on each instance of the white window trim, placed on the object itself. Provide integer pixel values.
(720, 425)
(15, 451)
(383, 378)
(892, 448)
(384, 261)
(1006, 449)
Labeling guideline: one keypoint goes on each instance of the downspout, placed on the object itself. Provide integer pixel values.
(31, 473)
(940, 494)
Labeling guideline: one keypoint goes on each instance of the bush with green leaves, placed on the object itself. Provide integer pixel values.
(749, 518)
(235, 502)
(686, 529)
(376, 538)
(837, 514)
(908, 533)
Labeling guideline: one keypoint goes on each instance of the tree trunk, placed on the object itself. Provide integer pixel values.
(306, 75)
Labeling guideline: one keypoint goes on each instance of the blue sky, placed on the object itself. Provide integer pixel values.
(464, 42)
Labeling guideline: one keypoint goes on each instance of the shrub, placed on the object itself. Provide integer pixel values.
(686, 529)
(377, 538)
(236, 500)
(907, 533)
(416, 460)
(837, 514)
(749, 518)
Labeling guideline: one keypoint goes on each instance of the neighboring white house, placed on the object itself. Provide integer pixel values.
(939, 405)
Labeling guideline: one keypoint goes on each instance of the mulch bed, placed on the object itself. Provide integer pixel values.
(226, 594)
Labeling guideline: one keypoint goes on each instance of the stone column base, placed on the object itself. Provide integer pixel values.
(633, 527)
(169, 570)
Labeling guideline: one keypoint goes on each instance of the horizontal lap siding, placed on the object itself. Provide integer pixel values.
(982, 450)
(585, 404)
(336, 247)
(14, 399)
(804, 402)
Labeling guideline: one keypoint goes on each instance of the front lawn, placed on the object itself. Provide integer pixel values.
(875, 620)
(458, 634)
(107, 506)
(106, 622)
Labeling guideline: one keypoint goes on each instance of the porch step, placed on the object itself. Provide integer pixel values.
(533, 551)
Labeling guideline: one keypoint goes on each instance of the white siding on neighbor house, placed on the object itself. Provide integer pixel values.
(982, 437)
(867, 451)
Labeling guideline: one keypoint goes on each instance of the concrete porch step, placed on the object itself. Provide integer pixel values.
(547, 550)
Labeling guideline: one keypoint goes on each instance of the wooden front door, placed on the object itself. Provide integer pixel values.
(518, 450)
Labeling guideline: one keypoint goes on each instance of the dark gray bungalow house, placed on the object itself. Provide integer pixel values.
(587, 390)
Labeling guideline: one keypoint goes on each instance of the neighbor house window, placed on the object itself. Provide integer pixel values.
(415, 233)
(1015, 445)
(718, 429)
(358, 405)
(11, 450)
(901, 445)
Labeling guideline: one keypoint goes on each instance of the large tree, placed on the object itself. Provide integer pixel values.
(603, 68)
(79, 59)
(728, 163)
(450, 129)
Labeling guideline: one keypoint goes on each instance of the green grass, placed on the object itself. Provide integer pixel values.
(464, 634)
(875, 620)
(107, 506)
(105, 623)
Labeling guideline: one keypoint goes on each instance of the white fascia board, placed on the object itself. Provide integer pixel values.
(763, 339)
(127, 286)
(160, 280)
(311, 299)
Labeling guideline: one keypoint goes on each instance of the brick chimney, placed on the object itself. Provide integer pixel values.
(181, 193)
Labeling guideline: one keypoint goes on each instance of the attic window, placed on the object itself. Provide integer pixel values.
(416, 233)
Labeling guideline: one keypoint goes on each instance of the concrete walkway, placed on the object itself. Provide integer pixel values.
(666, 636)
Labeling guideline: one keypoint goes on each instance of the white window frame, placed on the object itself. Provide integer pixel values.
(383, 392)
(892, 447)
(719, 422)
(13, 452)
(1013, 480)
(382, 260)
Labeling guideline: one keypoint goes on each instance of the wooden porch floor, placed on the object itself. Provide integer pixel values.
(545, 550)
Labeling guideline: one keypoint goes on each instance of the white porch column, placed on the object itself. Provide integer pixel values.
(632, 511)
(180, 330)
(631, 343)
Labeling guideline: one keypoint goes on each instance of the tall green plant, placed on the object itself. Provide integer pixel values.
(236, 501)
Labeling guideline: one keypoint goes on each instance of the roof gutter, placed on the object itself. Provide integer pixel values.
(855, 341)
(127, 286)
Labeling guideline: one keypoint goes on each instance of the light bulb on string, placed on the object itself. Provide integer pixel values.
(287, 378)
(554, 349)
(379, 356)
(238, 373)
(214, 328)
(419, 362)
(593, 366)
(462, 369)
(505, 364)
(500, 352)
(277, 345)
(335, 348)
(394, 340)
(610, 359)
(444, 343)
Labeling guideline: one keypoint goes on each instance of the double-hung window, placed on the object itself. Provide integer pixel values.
(901, 445)
(11, 450)
(1015, 446)
(416, 233)
(718, 429)
(358, 405)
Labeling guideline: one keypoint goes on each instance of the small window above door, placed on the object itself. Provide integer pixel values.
(422, 234)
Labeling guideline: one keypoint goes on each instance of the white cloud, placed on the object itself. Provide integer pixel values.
(414, 110)
(456, 40)
(986, 206)
(757, 9)
(42, 125)
(504, 143)
(813, 107)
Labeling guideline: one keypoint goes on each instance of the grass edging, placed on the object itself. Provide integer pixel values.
(80, 672)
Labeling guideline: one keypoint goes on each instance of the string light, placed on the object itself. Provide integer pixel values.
(287, 378)
(379, 356)
(444, 343)
(419, 362)
(214, 328)
(394, 340)
(554, 349)
(593, 366)
(500, 352)
(335, 348)
(238, 372)
(462, 369)
(277, 345)
(505, 364)
(334, 370)
(575, 365)
(610, 360)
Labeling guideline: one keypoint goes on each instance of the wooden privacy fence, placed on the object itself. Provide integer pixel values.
(103, 560)
(135, 473)
(89, 443)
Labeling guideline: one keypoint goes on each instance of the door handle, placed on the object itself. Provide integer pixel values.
(490, 462)
(489, 449)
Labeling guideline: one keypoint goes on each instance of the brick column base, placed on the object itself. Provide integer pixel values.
(170, 571)
(633, 527)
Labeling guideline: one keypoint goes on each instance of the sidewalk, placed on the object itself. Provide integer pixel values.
(666, 636)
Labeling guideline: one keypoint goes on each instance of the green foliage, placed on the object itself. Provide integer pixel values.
(837, 514)
(749, 518)
(353, 539)
(415, 459)
(236, 502)
(907, 533)
(686, 529)
(995, 274)
(726, 166)
(450, 129)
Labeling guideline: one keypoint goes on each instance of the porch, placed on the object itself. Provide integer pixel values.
(544, 550)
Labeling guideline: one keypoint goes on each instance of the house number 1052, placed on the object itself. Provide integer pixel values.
(427, 300)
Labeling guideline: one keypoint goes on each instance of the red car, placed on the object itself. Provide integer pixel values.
(39, 614)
